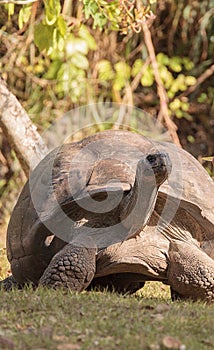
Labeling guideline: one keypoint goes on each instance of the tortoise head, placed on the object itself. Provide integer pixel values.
(154, 166)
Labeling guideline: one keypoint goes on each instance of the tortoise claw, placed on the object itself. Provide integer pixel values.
(9, 283)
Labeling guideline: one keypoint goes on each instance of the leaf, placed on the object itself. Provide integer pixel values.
(175, 104)
(24, 15)
(169, 342)
(175, 64)
(99, 20)
(90, 8)
(3, 182)
(43, 36)
(190, 80)
(68, 346)
(52, 11)
(209, 159)
(147, 78)
(185, 106)
(158, 317)
(53, 69)
(74, 45)
(10, 9)
(70, 79)
(81, 46)
(137, 66)
(163, 307)
(85, 34)
(61, 24)
(80, 61)
(123, 70)
(188, 65)
(162, 59)
(105, 70)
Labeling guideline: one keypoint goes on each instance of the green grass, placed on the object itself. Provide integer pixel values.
(49, 319)
(57, 319)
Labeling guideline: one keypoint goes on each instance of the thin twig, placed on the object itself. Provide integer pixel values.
(174, 26)
(2, 159)
(137, 78)
(208, 72)
(160, 87)
(17, 2)
(67, 8)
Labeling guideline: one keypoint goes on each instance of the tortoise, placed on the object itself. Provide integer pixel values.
(115, 210)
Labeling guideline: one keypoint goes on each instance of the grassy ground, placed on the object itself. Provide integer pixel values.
(48, 319)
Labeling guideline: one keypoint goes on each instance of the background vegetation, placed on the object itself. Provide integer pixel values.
(56, 55)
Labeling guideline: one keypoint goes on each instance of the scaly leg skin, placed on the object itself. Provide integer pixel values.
(190, 272)
(9, 283)
(72, 267)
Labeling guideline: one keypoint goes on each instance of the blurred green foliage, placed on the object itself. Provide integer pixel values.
(103, 12)
(173, 72)
(56, 55)
(66, 59)
(118, 15)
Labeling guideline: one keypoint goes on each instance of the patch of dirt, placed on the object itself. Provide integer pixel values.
(3, 229)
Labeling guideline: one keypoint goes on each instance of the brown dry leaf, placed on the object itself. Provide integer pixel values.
(68, 346)
(52, 319)
(209, 159)
(162, 307)
(6, 343)
(169, 342)
(158, 317)
(60, 338)
(154, 346)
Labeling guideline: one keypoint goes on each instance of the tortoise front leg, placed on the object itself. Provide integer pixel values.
(72, 267)
(191, 271)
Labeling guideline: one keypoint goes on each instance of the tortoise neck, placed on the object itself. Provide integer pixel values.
(138, 205)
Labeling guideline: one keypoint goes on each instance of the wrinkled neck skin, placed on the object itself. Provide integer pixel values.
(138, 205)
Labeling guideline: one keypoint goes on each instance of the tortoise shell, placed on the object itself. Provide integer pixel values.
(86, 171)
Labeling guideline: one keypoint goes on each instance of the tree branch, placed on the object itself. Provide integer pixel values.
(20, 131)
(160, 87)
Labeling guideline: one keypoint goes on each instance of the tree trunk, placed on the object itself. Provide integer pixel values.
(20, 131)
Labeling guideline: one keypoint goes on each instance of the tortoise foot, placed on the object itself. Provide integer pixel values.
(9, 283)
(191, 272)
(73, 267)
